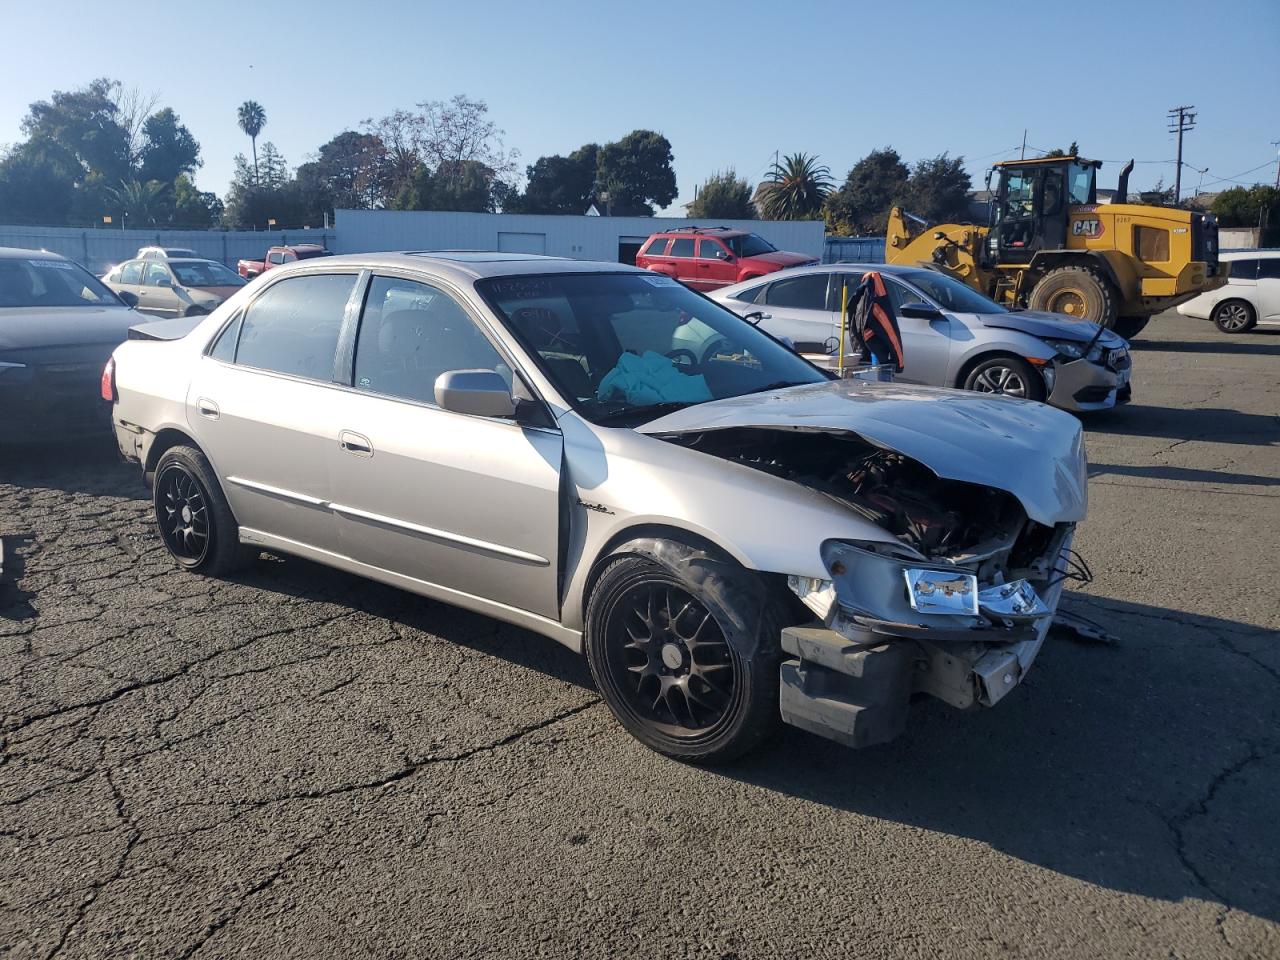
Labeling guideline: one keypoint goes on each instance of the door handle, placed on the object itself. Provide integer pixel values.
(355, 443)
(207, 408)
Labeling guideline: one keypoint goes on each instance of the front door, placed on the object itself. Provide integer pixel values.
(467, 503)
(263, 405)
(926, 344)
(715, 265)
(156, 295)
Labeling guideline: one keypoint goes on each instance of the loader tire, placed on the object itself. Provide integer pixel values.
(1078, 292)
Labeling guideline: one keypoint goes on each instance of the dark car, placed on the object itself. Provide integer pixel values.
(58, 326)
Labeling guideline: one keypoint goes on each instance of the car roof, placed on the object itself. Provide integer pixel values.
(22, 253)
(703, 231)
(462, 265)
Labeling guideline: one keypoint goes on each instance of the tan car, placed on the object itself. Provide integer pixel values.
(175, 288)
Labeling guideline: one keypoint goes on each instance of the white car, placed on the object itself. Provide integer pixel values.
(1250, 297)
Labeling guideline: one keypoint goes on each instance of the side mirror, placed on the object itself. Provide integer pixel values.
(129, 299)
(479, 393)
(920, 311)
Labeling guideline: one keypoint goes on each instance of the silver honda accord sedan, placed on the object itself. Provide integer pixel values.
(594, 452)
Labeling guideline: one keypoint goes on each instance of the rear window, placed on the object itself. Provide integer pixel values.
(806, 292)
(293, 327)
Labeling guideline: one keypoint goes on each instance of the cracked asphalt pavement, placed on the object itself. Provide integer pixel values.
(301, 763)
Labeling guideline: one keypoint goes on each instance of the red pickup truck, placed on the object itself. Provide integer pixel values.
(278, 255)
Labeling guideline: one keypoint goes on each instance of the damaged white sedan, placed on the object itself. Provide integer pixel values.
(602, 456)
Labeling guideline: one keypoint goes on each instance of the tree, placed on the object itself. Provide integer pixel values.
(796, 189)
(559, 184)
(271, 170)
(191, 207)
(635, 172)
(1071, 151)
(723, 196)
(350, 171)
(85, 124)
(861, 205)
(465, 186)
(37, 183)
(938, 189)
(133, 107)
(168, 148)
(1248, 206)
(252, 118)
(138, 201)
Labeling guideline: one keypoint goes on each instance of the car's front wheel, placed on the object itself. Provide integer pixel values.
(1009, 376)
(1235, 316)
(662, 658)
(193, 517)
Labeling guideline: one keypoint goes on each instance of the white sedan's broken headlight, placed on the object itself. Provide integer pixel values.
(942, 591)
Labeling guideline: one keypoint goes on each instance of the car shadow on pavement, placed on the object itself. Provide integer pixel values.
(1211, 424)
(1259, 342)
(1185, 474)
(1148, 766)
(83, 466)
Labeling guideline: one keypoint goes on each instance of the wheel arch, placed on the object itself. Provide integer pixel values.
(994, 353)
(1045, 261)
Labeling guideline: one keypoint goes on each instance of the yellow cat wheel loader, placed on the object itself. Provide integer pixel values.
(1050, 245)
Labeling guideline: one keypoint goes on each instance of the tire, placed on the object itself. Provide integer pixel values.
(1130, 327)
(649, 635)
(1007, 376)
(1235, 316)
(1079, 292)
(193, 517)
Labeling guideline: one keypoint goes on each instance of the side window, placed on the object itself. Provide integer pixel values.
(225, 348)
(1269, 269)
(807, 292)
(275, 256)
(131, 272)
(711, 250)
(1243, 270)
(682, 247)
(410, 333)
(900, 295)
(751, 294)
(287, 257)
(1052, 203)
(837, 280)
(656, 247)
(157, 275)
(293, 326)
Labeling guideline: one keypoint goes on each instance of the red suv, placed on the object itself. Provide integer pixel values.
(707, 258)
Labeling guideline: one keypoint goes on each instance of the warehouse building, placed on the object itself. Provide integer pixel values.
(615, 239)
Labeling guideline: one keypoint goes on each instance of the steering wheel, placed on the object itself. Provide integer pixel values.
(683, 357)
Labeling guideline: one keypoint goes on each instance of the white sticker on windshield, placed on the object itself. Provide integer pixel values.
(660, 280)
(53, 264)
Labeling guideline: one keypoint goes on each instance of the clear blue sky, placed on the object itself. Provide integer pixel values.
(728, 82)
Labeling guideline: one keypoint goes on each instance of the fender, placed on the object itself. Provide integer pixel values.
(1116, 269)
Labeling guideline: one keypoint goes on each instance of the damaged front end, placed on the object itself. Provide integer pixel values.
(954, 604)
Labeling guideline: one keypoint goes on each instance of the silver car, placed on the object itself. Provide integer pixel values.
(604, 457)
(952, 336)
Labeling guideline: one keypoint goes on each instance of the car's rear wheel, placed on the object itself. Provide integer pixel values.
(193, 517)
(667, 669)
(1007, 376)
(1235, 316)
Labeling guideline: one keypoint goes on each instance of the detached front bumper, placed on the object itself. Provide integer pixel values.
(1084, 386)
(857, 692)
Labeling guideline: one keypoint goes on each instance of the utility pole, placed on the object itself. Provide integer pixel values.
(1181, 119)
(1276, 144)
(1024, 145)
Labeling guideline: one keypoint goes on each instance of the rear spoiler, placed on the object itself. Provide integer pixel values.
(173, 329)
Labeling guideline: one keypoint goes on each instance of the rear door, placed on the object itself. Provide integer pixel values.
(1268, 285)
(465, 503)
(683, 265)
(264, 406)
(716, 266)
(799, 307)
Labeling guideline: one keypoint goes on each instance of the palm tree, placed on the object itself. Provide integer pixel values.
(796, 189)
(138, 201)
(252, 119)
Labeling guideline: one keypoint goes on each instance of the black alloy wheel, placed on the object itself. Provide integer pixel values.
(182, 513)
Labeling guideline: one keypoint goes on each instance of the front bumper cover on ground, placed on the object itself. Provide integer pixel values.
(1084, 386)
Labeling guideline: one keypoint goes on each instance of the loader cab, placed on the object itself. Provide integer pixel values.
(1030, 202)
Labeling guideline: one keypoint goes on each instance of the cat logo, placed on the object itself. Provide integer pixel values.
(1091, 227)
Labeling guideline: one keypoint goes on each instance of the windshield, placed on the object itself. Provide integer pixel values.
(624, 348)
(949, 293)
(205, 273)
(51, 283)
(749, 245)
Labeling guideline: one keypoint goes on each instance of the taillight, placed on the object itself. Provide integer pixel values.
(108, 388)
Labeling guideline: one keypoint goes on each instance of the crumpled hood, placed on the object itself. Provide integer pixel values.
(1030, 450)
(28, 328)
(1052, 326)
